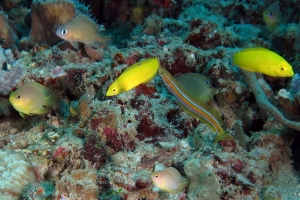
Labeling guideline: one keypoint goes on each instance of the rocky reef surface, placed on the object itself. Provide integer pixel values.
(96, 147)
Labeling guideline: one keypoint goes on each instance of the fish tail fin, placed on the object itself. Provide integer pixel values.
(222, 135)
(52, 100)
(105, 41)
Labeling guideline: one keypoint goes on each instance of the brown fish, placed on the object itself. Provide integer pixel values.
(82, 29)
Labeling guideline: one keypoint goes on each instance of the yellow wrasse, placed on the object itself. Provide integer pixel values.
(194, 106)
(169, 180)
(198, 85)
(272, 15)
(264, 61)
(31, 99)
(82, 29)
(138, 73)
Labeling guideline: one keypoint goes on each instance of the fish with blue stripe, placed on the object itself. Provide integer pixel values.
(198, 109)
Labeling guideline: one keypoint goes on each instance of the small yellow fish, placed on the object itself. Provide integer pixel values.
(138, 73)
(264, 61)
(198, 85)
(31, 99)
(82, 29)
(169, 180)
(272, 15)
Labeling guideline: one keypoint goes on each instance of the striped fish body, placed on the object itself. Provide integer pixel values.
(193, 106)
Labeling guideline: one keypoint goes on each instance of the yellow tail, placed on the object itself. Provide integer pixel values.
(222, 135)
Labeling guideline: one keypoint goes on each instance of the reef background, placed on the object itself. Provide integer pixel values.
(98, 147)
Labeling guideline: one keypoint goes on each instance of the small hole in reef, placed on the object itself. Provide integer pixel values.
(296, 152)
(256, 126)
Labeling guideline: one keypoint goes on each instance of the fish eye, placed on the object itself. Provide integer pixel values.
(271, 13)
(206, 82)
(114, 89)
(156, 176)
(18, 97)
(64, 31)
(282, 69)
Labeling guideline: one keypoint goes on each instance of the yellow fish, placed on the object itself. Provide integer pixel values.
(169, 180)
(272, 15)
(138, 73)
(264, 61)
(31, 99)
(198, 85)
(82, 29)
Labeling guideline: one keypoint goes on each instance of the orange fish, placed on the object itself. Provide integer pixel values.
(82, 29)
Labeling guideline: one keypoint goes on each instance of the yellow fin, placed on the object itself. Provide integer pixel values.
(223, 135)
(255, 49)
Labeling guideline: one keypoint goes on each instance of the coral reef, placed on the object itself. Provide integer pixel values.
(16, 172)
(80, 184)
(46, 17)
(93, 146)
(264, 103)
(8, 32)
(11, 73)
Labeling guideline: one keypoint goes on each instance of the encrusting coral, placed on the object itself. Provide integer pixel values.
(46, 17)
(263, 102)
(11, 76)
(96, 54)
(16, 172)
(8, 34)
(80, 184)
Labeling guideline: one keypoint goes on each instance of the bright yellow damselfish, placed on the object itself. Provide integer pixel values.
(195, 106)
(138, 73)
(31, 99)
(264, 61)
(169, 180)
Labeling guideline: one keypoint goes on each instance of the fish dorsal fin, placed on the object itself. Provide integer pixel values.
(151, 62)
(86, 20)
(255, 49)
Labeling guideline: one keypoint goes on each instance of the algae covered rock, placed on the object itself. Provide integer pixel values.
(203, 182)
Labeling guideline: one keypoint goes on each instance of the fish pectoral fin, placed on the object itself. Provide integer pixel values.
(22, 115)
(34, 107)
(74, 44)
(173, 191)
(106, 41)
(40, 111)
